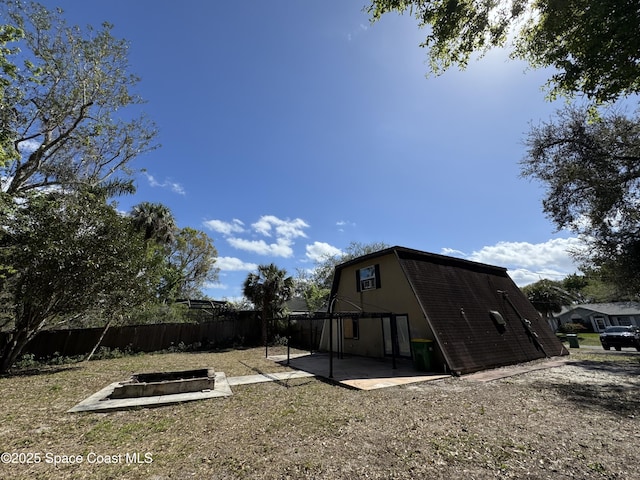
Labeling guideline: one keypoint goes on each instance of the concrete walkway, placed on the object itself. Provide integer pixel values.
(512, 370)
(267, 377)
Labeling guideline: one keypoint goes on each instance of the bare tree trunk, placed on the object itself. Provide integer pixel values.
(13, 349)
(95, 347)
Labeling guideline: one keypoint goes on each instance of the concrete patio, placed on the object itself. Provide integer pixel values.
(359, 372)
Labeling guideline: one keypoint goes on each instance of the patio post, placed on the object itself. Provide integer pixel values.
(394, 339)
(331, 336)
(266, 343)
(288, 338)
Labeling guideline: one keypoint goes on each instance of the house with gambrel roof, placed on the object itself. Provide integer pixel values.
(473, 314)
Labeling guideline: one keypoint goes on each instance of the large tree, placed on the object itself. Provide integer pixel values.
(590, 168)
(268, 290)
(191, 263)
(71, 253)
(189, 253)
(65, 101)
(8, 36)
(592, 45)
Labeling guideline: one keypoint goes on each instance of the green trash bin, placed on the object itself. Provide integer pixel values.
(572, 338)
(422, 353)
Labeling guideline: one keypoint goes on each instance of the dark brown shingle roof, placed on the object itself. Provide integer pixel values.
(458, 297)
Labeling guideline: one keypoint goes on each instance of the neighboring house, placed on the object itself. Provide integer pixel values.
(598, 316)
(475, 315)
(298, 306)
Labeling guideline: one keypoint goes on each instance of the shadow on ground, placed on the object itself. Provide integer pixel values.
(607, 386)
(30, 372)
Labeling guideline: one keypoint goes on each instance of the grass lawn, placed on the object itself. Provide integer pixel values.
(514, 428)
(587, 339)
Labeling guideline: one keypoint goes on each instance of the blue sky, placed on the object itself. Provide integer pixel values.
(291, 128)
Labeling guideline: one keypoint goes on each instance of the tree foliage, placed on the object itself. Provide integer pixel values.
(594, 287)
(155, 221)
(65, 149)
(315, 297)
(548, 297)
(189, 254)
(268, 290)
(591, 171)
(64, 102)
(71, 252)
(191, 263)
(8, 35)
(592, 45)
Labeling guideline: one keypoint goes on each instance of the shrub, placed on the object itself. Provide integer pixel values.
(572, 328)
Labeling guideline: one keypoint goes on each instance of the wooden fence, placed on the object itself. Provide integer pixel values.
(243, 329)
(305, 333)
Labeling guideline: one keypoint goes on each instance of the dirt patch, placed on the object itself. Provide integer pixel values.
(577, 421)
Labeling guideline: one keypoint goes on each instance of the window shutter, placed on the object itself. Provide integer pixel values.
(378, 283)
(358, 280)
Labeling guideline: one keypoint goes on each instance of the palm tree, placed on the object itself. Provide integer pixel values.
(548, 297)
(155, 221)
(268, 290)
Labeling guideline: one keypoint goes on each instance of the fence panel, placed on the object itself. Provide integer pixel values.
(243, 329)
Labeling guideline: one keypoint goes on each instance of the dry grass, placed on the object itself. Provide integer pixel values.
(577, 421)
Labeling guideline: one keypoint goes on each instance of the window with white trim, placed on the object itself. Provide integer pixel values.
(368, 278)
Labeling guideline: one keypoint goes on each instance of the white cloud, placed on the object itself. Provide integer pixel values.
(215, 286)
(283, 232)
(360, 29)
(344, 223)
(452, 252)
(528, 262)
(283, 228)
(318, 251)
(173, 186)
(28, 146)
(552, 253)
(282, 247)
(226, 228)
(233, 264)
